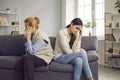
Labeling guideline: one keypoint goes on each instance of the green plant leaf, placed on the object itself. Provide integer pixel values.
(90, 24)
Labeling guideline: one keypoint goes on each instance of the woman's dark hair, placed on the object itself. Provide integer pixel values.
(76, 21)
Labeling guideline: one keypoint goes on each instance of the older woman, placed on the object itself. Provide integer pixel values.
(38, 48)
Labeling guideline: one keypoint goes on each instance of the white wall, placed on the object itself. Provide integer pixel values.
(49, 12)
(110, 6)
(68, 11)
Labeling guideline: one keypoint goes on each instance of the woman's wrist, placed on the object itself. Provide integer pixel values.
(28, 37)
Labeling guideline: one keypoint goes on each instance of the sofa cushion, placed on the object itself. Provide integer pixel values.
(57, 67)
(42, 69)
(9, 61)
(13, 45)
(92, 56)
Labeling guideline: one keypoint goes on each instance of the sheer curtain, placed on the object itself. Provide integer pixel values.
(92, 10)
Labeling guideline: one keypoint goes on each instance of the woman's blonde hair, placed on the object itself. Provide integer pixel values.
(32, 21)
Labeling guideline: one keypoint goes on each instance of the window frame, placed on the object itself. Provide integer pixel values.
(93, 18)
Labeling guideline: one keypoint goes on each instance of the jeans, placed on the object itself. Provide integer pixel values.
(80, 62)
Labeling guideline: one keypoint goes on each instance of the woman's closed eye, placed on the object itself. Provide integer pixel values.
(77, 28)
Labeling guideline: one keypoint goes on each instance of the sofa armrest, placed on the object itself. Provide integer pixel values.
(92, 55)
(89, 43)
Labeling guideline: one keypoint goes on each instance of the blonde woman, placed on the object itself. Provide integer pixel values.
(38, 48)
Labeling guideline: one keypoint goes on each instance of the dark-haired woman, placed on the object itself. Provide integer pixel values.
(68, 49)
(39, 50)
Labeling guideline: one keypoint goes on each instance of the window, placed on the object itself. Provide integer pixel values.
(92, 10)
(84, 12)
(99, 18)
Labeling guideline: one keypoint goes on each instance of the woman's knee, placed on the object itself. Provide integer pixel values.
(78, 61)
(83, 51)
(83, 55)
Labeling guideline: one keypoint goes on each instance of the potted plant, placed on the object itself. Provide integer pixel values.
(8, 10)
(117, 5)
(90, 25)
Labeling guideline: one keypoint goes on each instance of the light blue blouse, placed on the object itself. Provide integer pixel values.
(33, 48)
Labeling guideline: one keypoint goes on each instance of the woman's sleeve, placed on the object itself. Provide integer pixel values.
(64, 44)
(76, 45)
(33, 48)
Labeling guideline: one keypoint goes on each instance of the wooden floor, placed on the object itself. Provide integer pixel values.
(107, 73)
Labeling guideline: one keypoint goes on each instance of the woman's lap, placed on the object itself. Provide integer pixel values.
(67, 58)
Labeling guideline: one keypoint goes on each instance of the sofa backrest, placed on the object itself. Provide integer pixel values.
(87, 42)
(12, 45)
(52, 41)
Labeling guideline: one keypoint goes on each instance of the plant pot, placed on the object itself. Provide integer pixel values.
(90, 33)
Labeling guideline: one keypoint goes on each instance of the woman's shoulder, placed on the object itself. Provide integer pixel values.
(61, 31)
(42, 34)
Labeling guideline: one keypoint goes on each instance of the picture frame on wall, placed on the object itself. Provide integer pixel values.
(14, 32)
(110, 37)
(3, 21)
